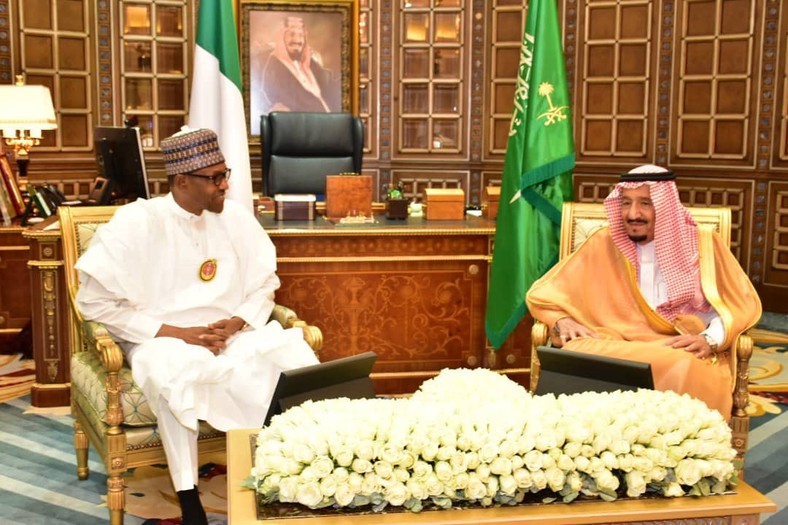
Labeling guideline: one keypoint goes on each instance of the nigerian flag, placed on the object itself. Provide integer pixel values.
(217, 100)
(537, 173)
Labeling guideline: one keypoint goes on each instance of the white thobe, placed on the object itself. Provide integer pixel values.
(655, 291)
(142, 270)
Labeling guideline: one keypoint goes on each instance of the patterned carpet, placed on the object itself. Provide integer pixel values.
(38, 483)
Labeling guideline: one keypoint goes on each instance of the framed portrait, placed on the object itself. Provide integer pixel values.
(299, 56)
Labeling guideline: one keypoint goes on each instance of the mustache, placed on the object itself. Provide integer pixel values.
(636, 221)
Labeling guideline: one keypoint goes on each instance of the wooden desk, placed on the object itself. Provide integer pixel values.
(741, 508)
(14, 290)
(414, 291)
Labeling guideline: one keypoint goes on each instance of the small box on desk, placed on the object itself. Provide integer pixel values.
(490, 198)
(288, 207)
(445, 203)
(348, 195)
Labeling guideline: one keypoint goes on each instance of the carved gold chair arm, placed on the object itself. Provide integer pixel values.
(538, 338)
(288, 319)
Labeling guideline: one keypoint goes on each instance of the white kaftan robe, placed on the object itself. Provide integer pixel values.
(142, 271)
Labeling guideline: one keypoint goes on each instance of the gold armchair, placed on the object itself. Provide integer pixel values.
(109, 409)
(580, 220)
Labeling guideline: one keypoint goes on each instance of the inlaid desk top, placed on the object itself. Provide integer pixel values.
(746, 503)
(383, 226)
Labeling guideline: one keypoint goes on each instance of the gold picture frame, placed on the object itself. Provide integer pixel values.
(299, 56)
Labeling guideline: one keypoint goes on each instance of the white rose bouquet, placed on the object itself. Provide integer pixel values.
(476, 437)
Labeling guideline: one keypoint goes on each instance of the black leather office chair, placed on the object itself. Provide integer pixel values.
(299, 149)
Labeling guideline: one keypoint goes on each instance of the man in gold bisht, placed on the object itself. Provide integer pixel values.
(652, 287)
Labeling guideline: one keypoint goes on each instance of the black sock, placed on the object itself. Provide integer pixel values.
(191, 509)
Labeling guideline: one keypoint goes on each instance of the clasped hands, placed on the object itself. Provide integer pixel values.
(213, 337)
(566, 329)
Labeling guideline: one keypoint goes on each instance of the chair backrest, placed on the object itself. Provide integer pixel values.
(77, 227)
(299, 149)
(581, 219)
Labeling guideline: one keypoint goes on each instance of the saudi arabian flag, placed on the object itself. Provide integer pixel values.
(537, 173)
(217, 99)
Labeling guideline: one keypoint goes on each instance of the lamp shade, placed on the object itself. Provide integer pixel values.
(26, 108)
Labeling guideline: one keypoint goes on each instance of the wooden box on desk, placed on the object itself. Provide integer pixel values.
(348, 195)
(289, 207)
(445, 203)
(490, 198)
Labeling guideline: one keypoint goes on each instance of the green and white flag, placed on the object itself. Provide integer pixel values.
(537, 173)
(217, 98)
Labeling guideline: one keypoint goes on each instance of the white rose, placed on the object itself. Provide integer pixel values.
(396, 494)
(642, 464)
(583, 464)
(539, 479)
(523, 478)
(609, 460)
(401, 474)
(555, 478)
(391, 454)
(355, 480)
(533, 460)
(417, 489)
(323, 466)
(483, 471)
(429, 451)
(620, 446)
(433, 485)
(344, 494)
(572, 449)
(460, 481)
(476, 488)
(383, 469)
(492, 487)
(328, 486)
(688, 472)
(574, 481)
(525, 444)
(508, 448)
(303, 454)
(673, 490)
(636, 483)
(472, 460)
(291, 467)
(443, 471)
(488, 452)
(565, 463)
(308, 474)
(421, 469)
(287, 490)
(657, 474)
(407, 459)
(365, 451)
(605, 480)
(344, 457)
(371, 484)
(626, 462)
(341, 474)
(501, 466)
(361, 466)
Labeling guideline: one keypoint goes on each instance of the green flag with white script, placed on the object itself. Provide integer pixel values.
(537, 173)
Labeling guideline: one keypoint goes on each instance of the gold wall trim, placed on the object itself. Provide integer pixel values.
(14, 248)
(52, 386)
(48, 265)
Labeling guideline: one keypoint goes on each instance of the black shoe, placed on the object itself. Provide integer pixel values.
(191, 508)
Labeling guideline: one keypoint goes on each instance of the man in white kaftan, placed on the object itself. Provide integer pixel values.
(187, 282)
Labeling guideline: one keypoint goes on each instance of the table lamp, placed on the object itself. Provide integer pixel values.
(25, 111)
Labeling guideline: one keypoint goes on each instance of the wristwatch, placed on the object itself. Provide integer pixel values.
(711, 342)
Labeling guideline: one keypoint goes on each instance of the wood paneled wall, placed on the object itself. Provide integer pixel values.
(695, 85)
